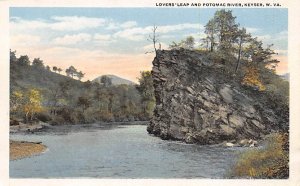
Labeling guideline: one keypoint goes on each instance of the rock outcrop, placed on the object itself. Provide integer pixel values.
(197, 102)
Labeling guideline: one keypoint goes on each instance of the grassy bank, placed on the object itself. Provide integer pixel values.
(21, 149)
(268, 162)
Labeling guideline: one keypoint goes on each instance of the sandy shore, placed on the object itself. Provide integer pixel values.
(23, 149)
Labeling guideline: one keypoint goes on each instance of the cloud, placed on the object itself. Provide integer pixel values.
(102, 37)
(24, 40)
(252, 29)
(129, 24)
(74, 23)
(72, 39)
(266, 37)
(179, 27)
(134, 34)
(112, 26)
(140, 33)
(19, 25)
(279, 40)
(57, 23)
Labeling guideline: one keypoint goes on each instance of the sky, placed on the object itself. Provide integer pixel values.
(101, 41)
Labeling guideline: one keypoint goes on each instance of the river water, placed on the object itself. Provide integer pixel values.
(124, 151)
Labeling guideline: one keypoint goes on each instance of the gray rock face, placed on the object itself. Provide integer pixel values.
(197, 103)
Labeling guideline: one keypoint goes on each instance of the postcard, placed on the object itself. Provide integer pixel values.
(175, 93)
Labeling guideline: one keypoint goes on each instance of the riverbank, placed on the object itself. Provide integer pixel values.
(23, 149)
(39, 126)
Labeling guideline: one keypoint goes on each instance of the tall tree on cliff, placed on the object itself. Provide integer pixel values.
(210, 31)
(221, 31)
(154, 39)
(242, 37)
(260, 62)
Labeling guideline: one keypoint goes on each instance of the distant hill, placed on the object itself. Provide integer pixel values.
(115, 80)
(24, 77)
(286, 76)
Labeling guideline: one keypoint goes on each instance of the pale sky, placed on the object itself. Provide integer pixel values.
(101, 41)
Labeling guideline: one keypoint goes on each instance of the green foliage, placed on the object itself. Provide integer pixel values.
(24, 60)
(241, 54)
(71, 71)
(66, 100)
(188, 43)
(38, 63)
(26, 103)
(221, 31)
(106, 81)
(13, 58)
(80, 75)
(268, 162)
(54, 68)
(147, 93)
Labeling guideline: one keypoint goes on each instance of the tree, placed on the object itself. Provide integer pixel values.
(153, 38)
(48, 68)
(226, 28)
(242, 37)
(210, 31)
(16, 101)
(59, 70)
(13, 58)
(24, 60)
(175, 45)
(83, 102)
(38, 63)
(80, 75)
(252, 79)
(146, 89)
(106, 81)
(32, 104)
(221, 31)
(188, 43)
(71, 71)
(260, 56)
(54, 68)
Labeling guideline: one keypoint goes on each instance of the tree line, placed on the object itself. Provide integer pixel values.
(37, 63)
(61, 100)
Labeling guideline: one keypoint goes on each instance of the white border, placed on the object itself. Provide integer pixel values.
(294, 67)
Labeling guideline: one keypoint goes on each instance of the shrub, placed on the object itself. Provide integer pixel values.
(44, 117)
(268, 162)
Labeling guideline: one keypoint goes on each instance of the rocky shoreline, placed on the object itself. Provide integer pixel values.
(24, 149)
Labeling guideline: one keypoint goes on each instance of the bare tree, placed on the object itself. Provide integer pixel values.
(153, 38)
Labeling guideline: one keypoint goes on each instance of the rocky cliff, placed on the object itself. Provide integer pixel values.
(197, 102)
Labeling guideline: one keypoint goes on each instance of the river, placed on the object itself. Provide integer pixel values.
(124, 151)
